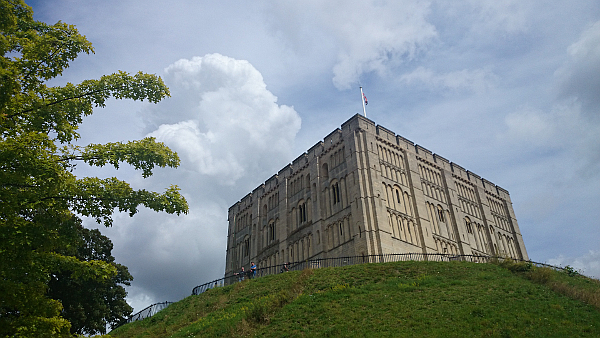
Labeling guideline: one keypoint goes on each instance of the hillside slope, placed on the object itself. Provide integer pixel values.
(404, 299)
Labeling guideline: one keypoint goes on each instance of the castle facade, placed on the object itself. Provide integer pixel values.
(364, 191)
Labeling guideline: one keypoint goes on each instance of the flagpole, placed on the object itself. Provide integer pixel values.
(362, 98)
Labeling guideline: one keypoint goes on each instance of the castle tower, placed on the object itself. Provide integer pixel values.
(364, 190)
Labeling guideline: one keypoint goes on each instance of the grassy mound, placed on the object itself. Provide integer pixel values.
(404, 299)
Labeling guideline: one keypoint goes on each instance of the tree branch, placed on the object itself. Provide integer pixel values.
(42, 61)
(63, 100)
(19, 185)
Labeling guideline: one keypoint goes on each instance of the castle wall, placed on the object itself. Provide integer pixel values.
(364, 190)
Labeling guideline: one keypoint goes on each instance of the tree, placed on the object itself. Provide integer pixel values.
(89, 305)
(40, 197)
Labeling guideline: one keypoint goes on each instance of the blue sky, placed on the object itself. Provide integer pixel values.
(509, 90)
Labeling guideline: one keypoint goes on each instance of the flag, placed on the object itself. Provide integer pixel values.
(365, 98)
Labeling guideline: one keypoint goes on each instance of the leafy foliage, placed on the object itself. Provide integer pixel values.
(40, 196)
(91, 304)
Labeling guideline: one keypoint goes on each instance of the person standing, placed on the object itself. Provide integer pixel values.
(252, 269)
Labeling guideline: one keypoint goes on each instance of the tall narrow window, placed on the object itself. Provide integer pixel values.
(325, 171)
(468, 225)
(302, 213)
(246, 247)
(335, 191)
(271, 230)
(441, 213)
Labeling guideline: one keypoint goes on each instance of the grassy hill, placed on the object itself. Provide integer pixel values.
(404, 299)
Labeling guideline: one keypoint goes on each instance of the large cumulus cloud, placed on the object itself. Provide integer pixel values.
(226, 124)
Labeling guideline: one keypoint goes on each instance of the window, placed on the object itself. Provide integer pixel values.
(246, 247)
(325, 171)
(468, 225)
(335, 191)
(271, 231)
(441, 214)
(302, 213)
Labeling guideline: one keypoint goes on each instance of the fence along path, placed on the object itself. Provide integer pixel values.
(149, 311)
(325, 263)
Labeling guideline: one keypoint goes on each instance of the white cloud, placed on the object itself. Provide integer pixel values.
(507, 15)
(370, 36)
(588, 46)
(580, 76)
(222, 120)
(478, 80)
(563, 126)
(531, 126)
(588, 264)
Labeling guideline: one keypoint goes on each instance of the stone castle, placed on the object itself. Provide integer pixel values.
(364, 191)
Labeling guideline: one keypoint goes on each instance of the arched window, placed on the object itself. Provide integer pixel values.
(325, 171)
(468, 225)
(440, 211)
(335, 192)
(407, 205)
(271, 231)
(294, 219)
(246, 247)
(302, 218)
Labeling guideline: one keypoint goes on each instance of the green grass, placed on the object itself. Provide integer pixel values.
(405, 299)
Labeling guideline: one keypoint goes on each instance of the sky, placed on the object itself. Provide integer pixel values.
(509, 90)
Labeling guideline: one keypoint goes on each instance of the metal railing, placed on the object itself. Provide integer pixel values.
(350, 260)
(326, 263)
(148, 311)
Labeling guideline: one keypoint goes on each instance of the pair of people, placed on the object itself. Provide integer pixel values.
(251, 274)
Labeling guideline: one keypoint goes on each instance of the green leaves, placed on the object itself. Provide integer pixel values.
(142, 155)
(91, 303)
(61, 109)
(41, 199)
(98, 198)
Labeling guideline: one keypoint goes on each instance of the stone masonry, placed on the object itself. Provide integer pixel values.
(362, 191)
